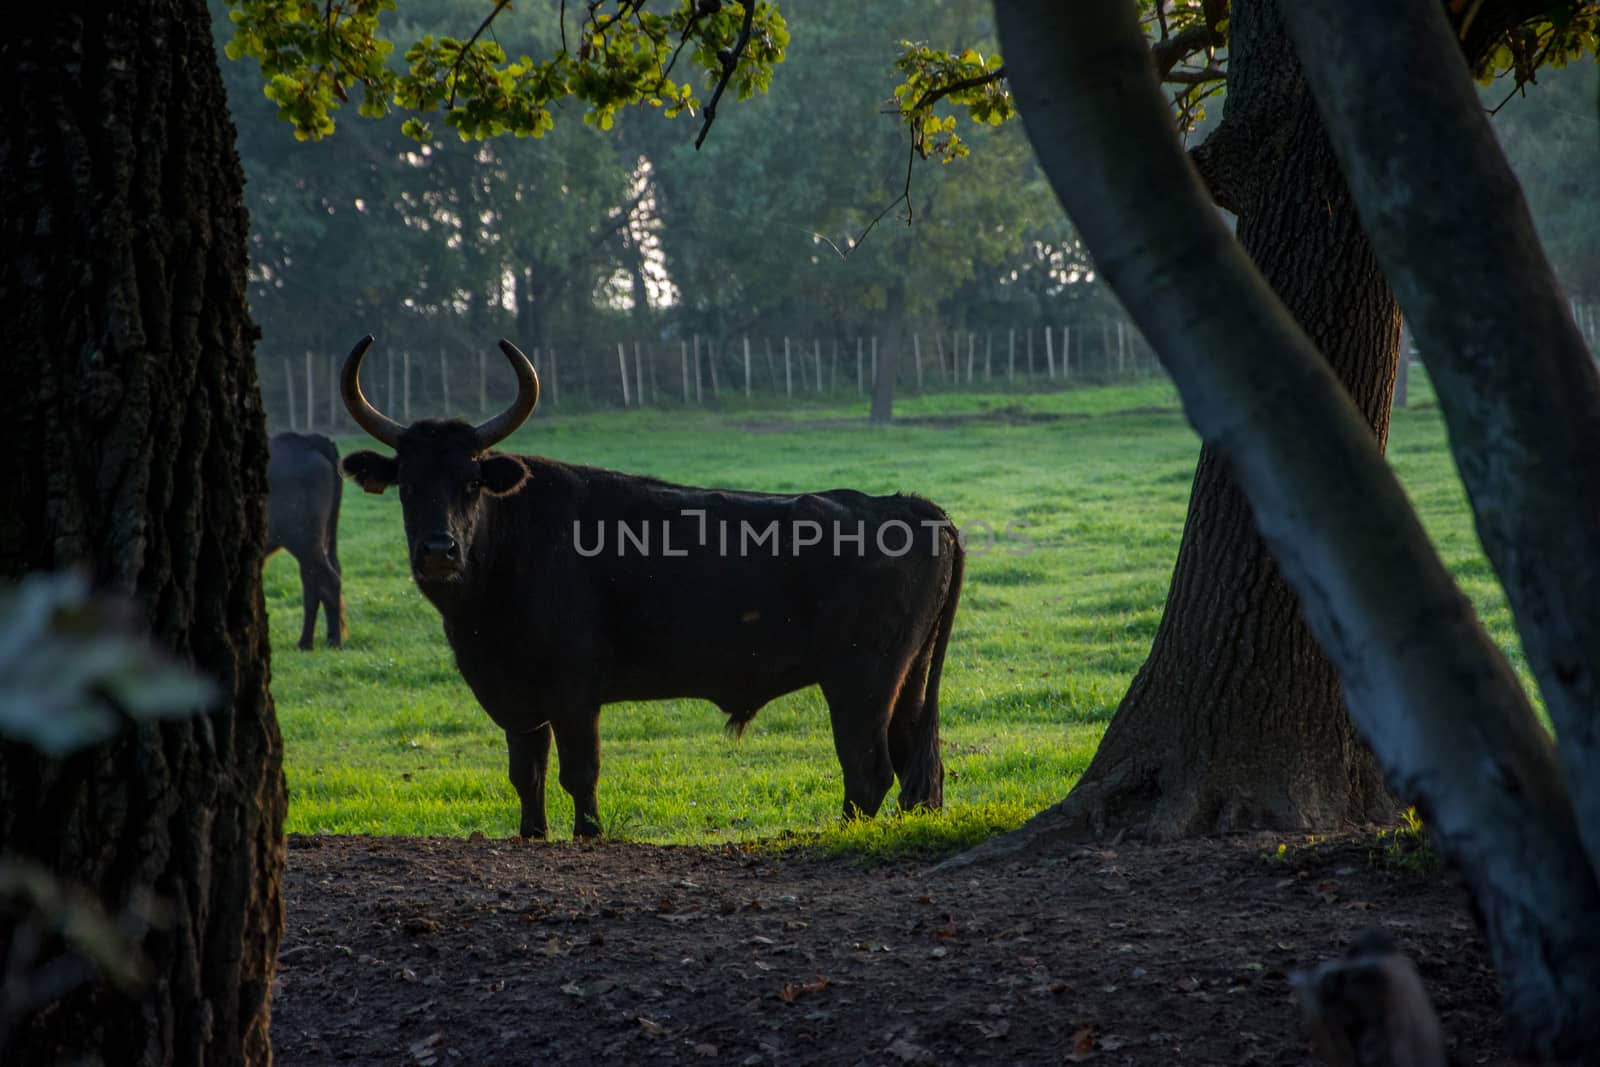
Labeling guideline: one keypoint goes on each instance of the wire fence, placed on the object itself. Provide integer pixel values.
(302, 390)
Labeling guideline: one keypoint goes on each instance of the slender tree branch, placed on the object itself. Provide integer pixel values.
(729, 62)
(934, 95)
(1196, 77)
(1170, 51)
(455, 69)
(905, 197)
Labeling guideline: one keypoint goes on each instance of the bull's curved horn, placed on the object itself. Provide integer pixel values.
(367, 417)
(503, 425)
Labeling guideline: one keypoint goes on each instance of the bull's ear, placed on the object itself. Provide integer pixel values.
(370, 471)
(501, 474)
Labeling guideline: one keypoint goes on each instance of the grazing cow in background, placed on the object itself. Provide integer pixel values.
(563, 588)
(303, 494)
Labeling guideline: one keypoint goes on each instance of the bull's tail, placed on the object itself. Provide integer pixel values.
(738, 719)
(915, 722)
(940, 639)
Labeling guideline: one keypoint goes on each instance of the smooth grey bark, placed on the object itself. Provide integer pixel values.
(1431, 693)
(1518, 387)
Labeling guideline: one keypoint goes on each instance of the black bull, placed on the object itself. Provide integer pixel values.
(563, 588)
(303, 492)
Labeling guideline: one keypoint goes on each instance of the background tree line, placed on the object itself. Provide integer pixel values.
(580, 239)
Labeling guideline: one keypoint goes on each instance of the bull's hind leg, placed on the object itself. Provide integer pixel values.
(914, 743)
(331, 593)
(530, 762)
(311, 597)
(858, 707)
(578, 748)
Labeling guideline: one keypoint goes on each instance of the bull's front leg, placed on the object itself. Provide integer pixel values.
(578, 746)
(530, 761)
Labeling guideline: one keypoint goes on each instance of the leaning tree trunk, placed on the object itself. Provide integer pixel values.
(1236, 720)
(136, 448)
(1437, 699)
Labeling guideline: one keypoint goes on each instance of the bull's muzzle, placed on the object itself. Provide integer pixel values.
(436, 556)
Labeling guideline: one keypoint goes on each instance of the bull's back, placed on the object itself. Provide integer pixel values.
(740, 597)
(303, 492)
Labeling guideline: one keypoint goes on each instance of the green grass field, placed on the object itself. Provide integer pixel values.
(385, 738)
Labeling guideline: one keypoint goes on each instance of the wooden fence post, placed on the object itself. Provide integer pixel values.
(638, 377)
(555, 377)
(683, 347)
(712, 348)
(747, 368)
(859, 374)
(938, 354)
(405, 384)
(833, 372)
(288, 388)
(874, 362)
(772, 369)
(1066, 351)
(1122, 347)
(699, 384)
(1030, 351)
(1049, 354)
(311, 407)
(988, 355)
(816, 355)
(388, 391)
(788, 372)
(1011, 355)
(916, 350)
(1105, 345)
(444, 384)
(622, 370)
(483, 381)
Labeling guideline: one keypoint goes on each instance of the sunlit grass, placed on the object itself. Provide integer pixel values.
(385, 738)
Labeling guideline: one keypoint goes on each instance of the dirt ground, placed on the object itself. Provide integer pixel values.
(407, 951)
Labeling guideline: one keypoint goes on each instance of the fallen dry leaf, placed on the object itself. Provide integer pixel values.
(792, 991)
(1083, 1044)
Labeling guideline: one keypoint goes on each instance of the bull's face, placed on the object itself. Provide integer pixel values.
(441, 468)
(443, 480)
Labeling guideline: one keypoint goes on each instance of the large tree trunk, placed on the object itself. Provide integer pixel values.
(888, 369)
(1237, 720)
(137, 449)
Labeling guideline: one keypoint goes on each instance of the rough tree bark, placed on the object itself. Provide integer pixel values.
(1434, 696)
(137, 449)
(1237, 720)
